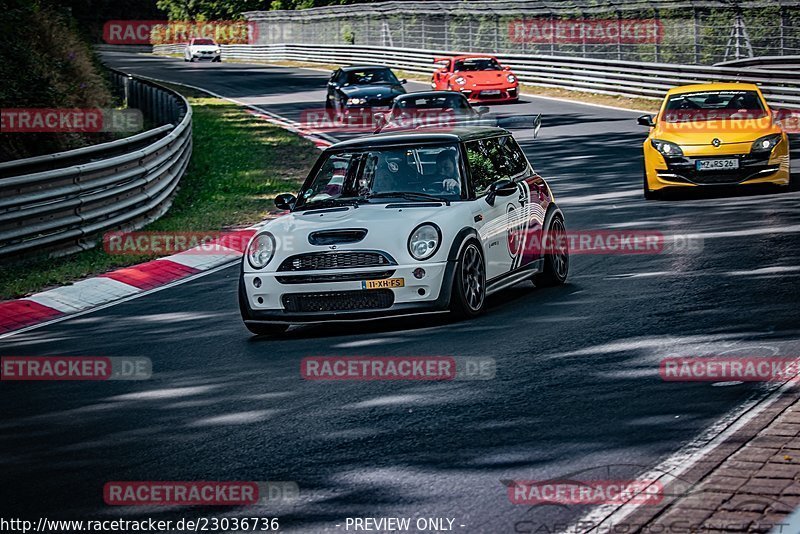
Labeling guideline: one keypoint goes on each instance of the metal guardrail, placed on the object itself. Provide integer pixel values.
(59, 203)
(625, 78)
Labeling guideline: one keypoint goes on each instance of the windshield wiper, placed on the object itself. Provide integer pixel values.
(339, 201)
(410, 195)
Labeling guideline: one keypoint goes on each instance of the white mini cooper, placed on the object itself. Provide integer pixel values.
(404, 223)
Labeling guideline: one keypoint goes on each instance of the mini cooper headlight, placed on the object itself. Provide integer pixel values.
(424, 241)
(261, 250)
(461, 80)
(356, 101)
(766, 143)
(666, 148)
(511, 78)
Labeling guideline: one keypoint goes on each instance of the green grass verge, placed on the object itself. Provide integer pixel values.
(239, 163)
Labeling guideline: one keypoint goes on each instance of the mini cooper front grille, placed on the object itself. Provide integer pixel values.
(317, 261)
(372, 299)
(343, 277)
(337, 237)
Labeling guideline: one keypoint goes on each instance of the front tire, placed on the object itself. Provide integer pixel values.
(556, 257)
(468, 297)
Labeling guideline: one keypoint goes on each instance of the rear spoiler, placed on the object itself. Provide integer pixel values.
(441, 59)
(519, 122)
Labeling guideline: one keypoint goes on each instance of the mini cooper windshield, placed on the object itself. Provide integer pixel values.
(429, 173)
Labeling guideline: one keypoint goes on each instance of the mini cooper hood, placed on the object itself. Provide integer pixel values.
(383, 91)
(375, 218)
(702, 133)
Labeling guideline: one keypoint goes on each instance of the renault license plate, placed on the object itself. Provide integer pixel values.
(727, 164)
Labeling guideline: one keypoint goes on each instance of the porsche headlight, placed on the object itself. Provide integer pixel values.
(261, 250)
(461, 80)
(356, 101)
(666, 148)
(766, 143)
(511, 78)
(424, 241)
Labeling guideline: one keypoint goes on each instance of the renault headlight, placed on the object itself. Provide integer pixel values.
(766, 143)
(261, 250)
(666, 148)
(424, 241)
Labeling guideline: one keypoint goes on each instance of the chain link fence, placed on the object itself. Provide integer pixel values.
(701, 32)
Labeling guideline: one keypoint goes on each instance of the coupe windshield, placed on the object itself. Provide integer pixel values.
(371, 76)
(420, 173)
(712, 105)
(203, 42)
(477, 63)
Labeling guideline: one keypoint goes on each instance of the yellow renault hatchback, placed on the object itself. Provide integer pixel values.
(714, 134)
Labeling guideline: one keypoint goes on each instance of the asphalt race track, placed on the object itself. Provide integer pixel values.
(577, 387)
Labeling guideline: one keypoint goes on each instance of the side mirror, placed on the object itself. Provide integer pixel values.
(404, 81)
(483, 110)
(285, 201)
(501, 188)
(646, 120)
(506, 68)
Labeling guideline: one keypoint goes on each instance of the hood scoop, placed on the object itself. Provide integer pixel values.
(337, 237)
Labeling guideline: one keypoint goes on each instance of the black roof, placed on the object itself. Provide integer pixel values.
(422, 135)
(428, 94)
(360, 67)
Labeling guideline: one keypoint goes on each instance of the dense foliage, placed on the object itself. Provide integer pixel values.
(46, 65)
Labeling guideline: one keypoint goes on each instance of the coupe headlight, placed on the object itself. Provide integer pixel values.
(356, 101)
(666, 148)
(461, 80)
(766, 143)
(511, 78)
(424, 241)
(261, 250)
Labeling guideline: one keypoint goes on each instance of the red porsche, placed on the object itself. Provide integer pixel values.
(479, 78)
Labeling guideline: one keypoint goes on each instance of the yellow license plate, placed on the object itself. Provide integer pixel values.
(383, 284)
